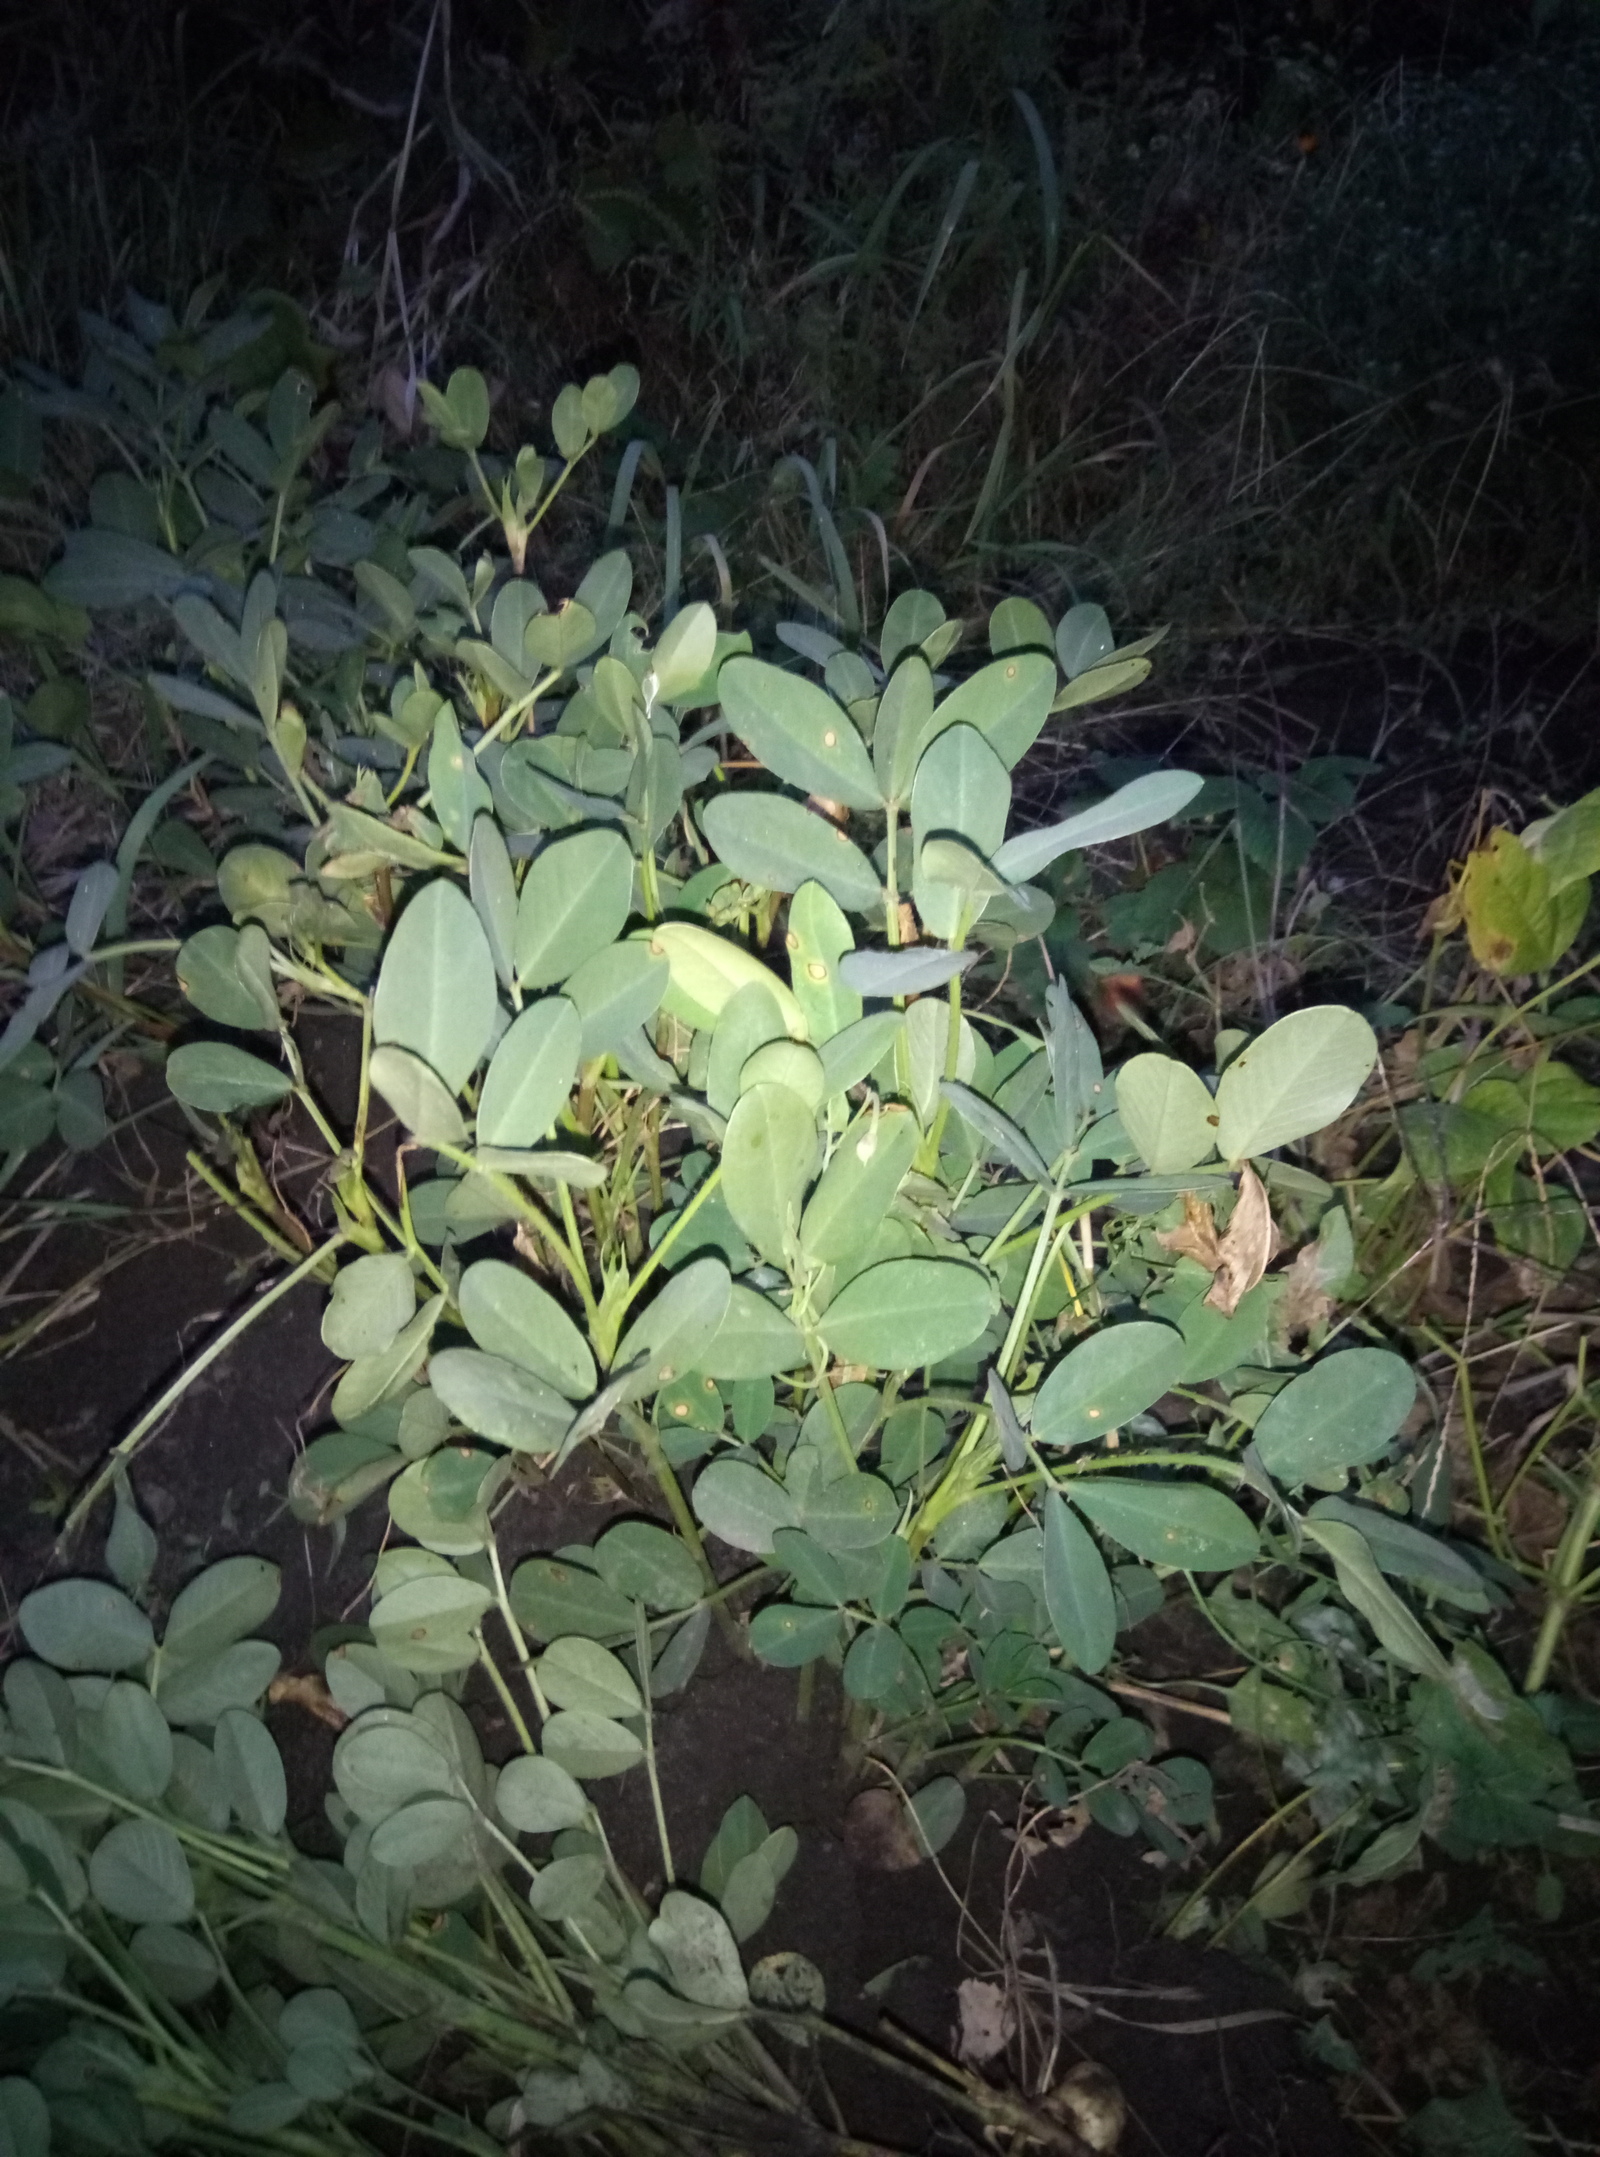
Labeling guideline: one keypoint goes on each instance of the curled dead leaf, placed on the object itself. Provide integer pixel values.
(1183, 939)
(1240, 1256)
(308, 1692)
(1197, 1238)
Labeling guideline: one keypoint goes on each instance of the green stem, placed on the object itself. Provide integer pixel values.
(925, 1520)
(1186, 1910)
(569, 1221)
(155, 2030)
(891, 876)
(508, 1699)
(130, 950)
(358, 1144)
(649, 888)
(641, 1639)
(325, 1130)
(525, 1208)
(1304, 1851)
(273, 1238)
(404, 780)
(954, 2087)
(1493, 1520)
(928, 1152)
(819, 1371)
(1566, 1581)
(125, 1448)
(405, 1235)
(509, 717)
(648, 1439)
(702, 1191)
(519, 1640)
(317, 978)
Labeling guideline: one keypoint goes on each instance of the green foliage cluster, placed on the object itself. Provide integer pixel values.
(888, 1270)
(176, 1974)
(703, 986)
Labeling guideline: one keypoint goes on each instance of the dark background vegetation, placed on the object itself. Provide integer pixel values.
(1296, 328)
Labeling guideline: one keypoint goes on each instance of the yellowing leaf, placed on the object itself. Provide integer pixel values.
(1517, 922)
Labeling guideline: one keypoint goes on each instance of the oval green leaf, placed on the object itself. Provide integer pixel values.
(575, 899)
(768, 1154)
(1344, 1410)
(138, 1872)
(1115, 1374)
(907, 1311)
(535, 1796)
(418, 1096)
(508, 1314)
(553, 1596)
(1168, 1112)
(372, 1299)
(1182, 1524)
(614, 992)
(742, 1505)
(673, 1332)
(530, 1074)
(797, 731)
(852, 1199)
(436, 993)
(789, 1634)
(208, 973)
(1077, 1587)
(576, 1672)
(649, 1565)
(1294, 1080)
(500, 1400)
(82, 1625)
(589, 1746)
(1008, 701)
(853, 1512)
(223, 1080)
(754, 1340)
(1134, 807)
(217, 1609)
(780, 844)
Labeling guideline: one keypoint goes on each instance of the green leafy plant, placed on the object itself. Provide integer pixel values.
(1487, 1113)
(473, 1965)
(876, 1270)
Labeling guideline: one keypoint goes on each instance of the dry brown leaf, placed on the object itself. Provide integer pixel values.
(987, 2021)
(1183, 939)
(1237, 1258)
(1198, 1237)
(1248, 1246)
(879, 1833)
(308, 1692)
(1306, 1302)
